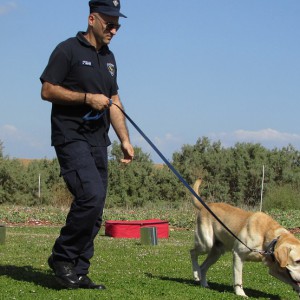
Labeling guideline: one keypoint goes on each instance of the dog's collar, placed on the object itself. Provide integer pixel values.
(270, 248)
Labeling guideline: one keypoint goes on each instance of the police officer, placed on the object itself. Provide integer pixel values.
(80, 81)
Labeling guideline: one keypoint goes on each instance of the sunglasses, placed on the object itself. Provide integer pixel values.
(108, 25)
(111, 26)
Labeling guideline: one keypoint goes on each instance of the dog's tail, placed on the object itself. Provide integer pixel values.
(195, 201)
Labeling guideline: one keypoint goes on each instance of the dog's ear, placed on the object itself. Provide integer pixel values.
(282, 255)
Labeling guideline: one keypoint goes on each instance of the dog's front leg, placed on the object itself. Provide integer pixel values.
(238, 275)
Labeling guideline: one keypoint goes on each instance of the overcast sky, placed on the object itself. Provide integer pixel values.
(225, 69)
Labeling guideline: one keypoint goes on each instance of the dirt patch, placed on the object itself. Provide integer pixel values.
(29, 223)
(295, 230)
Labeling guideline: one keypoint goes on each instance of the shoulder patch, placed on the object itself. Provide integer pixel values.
(111, 69)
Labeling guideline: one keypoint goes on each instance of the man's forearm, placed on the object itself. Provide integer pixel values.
(118, 121)
(59, 95)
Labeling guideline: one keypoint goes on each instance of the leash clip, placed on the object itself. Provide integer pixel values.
(271, 247)
(269, 250)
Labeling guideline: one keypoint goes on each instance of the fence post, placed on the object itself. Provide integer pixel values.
(262, 187)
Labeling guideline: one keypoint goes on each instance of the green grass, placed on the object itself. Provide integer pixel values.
(183, 217)
(128, 269)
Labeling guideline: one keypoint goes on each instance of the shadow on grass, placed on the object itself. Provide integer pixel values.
(217, 287)
(31, 275)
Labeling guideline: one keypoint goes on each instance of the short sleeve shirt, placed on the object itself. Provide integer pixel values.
(76, 65)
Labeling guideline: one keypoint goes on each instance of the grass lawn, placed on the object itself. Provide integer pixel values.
(128, 269)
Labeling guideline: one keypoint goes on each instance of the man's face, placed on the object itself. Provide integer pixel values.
(104, 27)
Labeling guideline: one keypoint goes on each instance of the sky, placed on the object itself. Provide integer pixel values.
(228, 70)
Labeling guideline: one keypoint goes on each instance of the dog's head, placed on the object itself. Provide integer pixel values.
(284, 264)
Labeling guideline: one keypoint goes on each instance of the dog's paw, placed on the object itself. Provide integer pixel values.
(239, 291)
(204, 284)
(196, 276)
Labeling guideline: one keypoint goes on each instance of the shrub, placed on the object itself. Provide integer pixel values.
(282, 197)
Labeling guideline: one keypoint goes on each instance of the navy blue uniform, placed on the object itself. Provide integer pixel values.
(81, 146)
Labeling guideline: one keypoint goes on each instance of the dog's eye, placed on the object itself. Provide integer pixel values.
(298, 262)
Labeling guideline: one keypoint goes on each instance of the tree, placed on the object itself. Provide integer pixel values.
(205, 160)
(234, 174)
(1, 149)
(245, 172)
(231, 175)
(13, 187)
(129, 185)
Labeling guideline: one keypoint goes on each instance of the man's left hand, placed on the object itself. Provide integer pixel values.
(128, 152)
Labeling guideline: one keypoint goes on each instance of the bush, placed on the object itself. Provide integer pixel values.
(282, 197)
(231, 175)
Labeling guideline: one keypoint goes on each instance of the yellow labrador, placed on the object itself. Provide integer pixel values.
(280, 250)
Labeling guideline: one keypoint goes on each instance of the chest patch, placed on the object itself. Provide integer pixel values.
(86, 63)
(111, 69)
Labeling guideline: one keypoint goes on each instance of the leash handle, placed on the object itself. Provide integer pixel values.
(179, 176)
(89, 117)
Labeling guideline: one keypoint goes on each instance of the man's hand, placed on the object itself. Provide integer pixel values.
(97, 101)
(128, 152)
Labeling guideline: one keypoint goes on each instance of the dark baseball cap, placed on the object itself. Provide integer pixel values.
(106, 7)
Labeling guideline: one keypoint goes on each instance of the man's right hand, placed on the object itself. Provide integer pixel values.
(97, 101)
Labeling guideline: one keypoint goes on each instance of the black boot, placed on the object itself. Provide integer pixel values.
(86, 283)
(64, 273)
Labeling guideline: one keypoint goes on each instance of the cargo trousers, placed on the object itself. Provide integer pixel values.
(84, 169)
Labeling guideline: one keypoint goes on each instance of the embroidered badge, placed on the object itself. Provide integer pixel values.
(111, 69)
(86, 63)
(116, 3)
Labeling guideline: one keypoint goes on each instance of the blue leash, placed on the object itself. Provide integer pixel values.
(180, 177)
(89, 117)
(98, 115)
